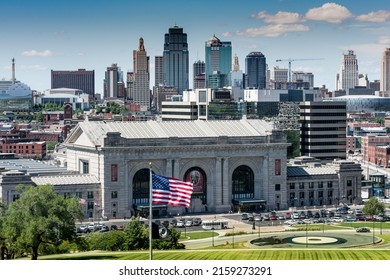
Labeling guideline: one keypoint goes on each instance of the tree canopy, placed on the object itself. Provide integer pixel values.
(373, 207)
(39, 216)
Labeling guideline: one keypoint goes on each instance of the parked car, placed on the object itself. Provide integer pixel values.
(281, 217)
(266, 217)
(197, 221)
(181, 223)
(244, 216)
(189, 223)
(258, 217)
(363, 229)
(287, 215)
(350, 218)
(295, 215)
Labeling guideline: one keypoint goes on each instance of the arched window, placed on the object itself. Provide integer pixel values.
(243, 183)
(141, 187)
(197, 176)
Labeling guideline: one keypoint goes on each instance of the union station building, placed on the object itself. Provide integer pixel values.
(238, 165)
(234, 165)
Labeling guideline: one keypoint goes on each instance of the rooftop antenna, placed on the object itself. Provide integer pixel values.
(13, 71)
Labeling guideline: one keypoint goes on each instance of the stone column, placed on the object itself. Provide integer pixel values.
(176, 169)
(218, 183)
(168, 167)
(127, 199)
(226, 197)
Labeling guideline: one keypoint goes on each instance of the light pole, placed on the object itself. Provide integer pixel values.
(233, 237)
(306, 235)
(212, 236)
(259, 226)
(373, 230)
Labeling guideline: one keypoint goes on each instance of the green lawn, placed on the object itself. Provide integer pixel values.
(234, 254)
(378, 225)
(197, 235)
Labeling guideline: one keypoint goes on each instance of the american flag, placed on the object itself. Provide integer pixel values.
(171, 191)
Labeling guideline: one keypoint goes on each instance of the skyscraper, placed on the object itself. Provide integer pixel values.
(323, 126)
(176, 59)
(141, 93)
(199, 68)
(158, 70)
(218, 62)
(349, 72)
(113, 85)
(255, 70)
(80, 79)
(385, 71)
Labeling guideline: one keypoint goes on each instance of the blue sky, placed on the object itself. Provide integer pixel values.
(66, 35)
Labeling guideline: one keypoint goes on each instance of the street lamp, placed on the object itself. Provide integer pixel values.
(306, 235)
(212, 236)
(373, 230)
(233, 237)
(259, 226)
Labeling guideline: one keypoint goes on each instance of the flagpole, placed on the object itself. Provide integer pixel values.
(150, 211)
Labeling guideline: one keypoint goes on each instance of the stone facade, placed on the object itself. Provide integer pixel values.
(221, 157)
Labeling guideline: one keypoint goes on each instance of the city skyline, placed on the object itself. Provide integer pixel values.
(44, 35)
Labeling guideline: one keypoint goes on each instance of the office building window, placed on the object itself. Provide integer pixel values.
(277, 187)
(114, 194)
(84, 166)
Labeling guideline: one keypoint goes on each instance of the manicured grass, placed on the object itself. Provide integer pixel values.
(378, 225)
(198, 235)
(319, 227)
(233, 254)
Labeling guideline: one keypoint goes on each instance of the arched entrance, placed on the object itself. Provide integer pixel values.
(243, 190)
(141, 187)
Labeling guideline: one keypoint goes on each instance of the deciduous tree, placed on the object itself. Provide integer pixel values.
(40, 216)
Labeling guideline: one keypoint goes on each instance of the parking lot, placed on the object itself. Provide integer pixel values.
(267, 221)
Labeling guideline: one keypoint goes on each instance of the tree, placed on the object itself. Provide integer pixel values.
(40, 216)
(137, 235)
(3, 247)
(373, 207)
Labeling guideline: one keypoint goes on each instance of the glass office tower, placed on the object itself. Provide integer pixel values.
(218, 62)
(255, 69)
(176, 59)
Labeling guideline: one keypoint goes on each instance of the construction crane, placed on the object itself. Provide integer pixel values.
(294, 59)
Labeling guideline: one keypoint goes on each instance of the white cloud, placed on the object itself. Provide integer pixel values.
(273, 30)
(36, 67)
(227, 34)
(384, 41)
(330, 12)
(44, 53)
(279, 18)
(378, 16)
